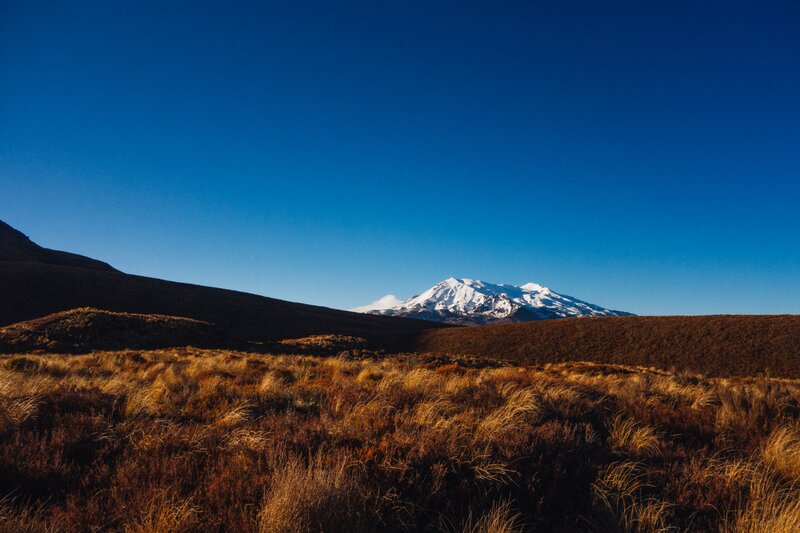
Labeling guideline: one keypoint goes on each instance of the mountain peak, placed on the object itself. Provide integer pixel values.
(534, 287)
(16, 247)
(387, 302)
(470, 301)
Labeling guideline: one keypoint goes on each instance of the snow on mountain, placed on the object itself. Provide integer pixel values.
(472, 302)
(381, 304)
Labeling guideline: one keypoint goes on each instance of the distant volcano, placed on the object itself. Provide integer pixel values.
(475, 302)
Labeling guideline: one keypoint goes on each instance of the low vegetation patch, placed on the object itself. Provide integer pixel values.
(84, 330)
(325, 344)
(734, 345)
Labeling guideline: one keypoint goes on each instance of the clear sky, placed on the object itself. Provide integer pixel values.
(641, 155)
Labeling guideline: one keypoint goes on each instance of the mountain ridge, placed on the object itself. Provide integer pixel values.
(34, 282)
(16, 247)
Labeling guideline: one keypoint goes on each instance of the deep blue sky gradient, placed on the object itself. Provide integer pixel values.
(641, 155)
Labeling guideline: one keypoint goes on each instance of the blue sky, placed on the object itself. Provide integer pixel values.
(643, 156)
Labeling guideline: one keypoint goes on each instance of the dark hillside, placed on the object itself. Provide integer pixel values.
(719, 345)
(15, 246)
(31, 290)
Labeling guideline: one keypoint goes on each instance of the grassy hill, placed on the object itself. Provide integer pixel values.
(715, 345)
(84, 330)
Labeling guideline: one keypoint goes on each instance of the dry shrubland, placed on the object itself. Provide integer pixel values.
(85, 329)
(215, 440)
(718, 345)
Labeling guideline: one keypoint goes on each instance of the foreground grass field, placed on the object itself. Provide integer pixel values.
(203, 440)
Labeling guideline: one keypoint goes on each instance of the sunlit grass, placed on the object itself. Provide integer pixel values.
(216, 440)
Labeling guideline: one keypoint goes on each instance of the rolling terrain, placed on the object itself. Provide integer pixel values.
(85, 330)
(722, 345)
(141, 405)
(35, 282)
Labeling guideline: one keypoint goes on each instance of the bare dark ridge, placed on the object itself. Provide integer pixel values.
(17, 247)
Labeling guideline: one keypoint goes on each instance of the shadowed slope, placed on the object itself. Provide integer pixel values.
(718, 345)
(35, 281)
(83, 330)
(31, 290)
(15, 246)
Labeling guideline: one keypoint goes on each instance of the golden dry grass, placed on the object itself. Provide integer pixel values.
(629, 436)
(771, 506)
(217, 440)
(782, 452)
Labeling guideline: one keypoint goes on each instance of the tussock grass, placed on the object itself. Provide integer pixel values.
(782, 451)
(165, 514)
(316, 497)
(216, 440)
(620, 491)
(15, 411)
(522, 408)
(772, 506)
(275, 383)
(501, 518)
(633, 438)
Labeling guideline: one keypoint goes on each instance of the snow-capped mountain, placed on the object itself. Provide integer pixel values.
(474, 302)
(390, 301)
